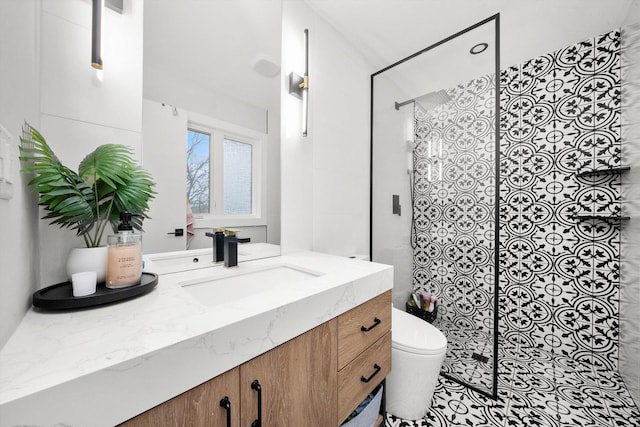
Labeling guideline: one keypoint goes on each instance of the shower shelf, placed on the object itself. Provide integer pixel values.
(617, 169)
(602, 217)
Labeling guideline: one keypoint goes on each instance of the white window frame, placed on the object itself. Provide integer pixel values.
(220, 131)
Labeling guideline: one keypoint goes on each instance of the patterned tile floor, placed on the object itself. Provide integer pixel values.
(462, 344)
(535, 388)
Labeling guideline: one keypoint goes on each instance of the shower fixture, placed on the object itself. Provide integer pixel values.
(429, 101)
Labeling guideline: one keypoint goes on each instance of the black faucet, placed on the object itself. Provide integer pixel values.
(230, 249)
(218, 244)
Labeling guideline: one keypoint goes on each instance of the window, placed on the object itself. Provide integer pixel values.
(222, 173)
(237, 177)
(198, 154)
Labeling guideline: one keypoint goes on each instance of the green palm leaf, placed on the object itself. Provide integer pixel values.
(134, 196)
(109, 163)
(108, 182)
(56, 184)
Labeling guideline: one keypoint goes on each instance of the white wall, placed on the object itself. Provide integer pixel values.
(183, 93)
(325, 176)
(19, 86)
(296, 152)
(46, 79)
(81, 110)
(164, 155)
(629, 245)
(339, 100)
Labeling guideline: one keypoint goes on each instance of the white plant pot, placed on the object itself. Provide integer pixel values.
(88, 259)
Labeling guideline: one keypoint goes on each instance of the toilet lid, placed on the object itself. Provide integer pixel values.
(414, 335)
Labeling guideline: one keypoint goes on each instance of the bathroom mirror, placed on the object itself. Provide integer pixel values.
(212, 69)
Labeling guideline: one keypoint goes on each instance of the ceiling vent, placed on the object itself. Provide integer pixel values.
(266, 67)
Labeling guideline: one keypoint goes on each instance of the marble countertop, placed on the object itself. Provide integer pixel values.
(102, 366)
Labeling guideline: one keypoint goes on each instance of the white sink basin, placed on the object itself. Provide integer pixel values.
(240, 284)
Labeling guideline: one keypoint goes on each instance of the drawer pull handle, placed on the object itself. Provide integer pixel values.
(376, 368)
(255, 385)
(226, 404)
(376, 322)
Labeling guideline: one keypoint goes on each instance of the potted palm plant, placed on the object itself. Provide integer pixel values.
(108, 182)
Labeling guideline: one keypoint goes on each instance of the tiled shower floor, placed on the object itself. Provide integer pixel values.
(462, 344)
(535, 388)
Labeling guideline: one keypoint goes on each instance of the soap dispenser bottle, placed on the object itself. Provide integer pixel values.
(124, 264)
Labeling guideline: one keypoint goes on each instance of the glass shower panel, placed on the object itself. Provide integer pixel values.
(434, 180)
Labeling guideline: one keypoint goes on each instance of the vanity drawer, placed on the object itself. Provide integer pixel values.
(362, 326)
(372, 365)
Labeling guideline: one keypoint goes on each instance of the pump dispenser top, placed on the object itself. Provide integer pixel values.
(125, 222)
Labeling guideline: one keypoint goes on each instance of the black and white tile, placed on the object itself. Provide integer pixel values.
(536, 387)
(561, 116)
(559, 287)
(454, 187)
(553, 127)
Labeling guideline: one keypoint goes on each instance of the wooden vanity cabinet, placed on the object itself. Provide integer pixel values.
(297, 382)
(364, 352)
(315, 379)
(200, 406)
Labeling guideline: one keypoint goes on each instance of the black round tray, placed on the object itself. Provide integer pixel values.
(60, 296)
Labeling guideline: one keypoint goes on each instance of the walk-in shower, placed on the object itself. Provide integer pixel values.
(434, 150)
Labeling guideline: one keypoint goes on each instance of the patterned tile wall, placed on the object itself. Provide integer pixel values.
(454, 197)
(559, 276)
(630, 246)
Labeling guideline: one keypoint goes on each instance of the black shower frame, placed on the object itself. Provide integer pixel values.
(496, 317)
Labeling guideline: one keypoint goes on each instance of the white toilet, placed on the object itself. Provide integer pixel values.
(417, 351)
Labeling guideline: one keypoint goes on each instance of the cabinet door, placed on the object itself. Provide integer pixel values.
(298, 382)
(199, 406)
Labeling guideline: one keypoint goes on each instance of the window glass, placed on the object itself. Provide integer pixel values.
(237, 180)
(198, 171)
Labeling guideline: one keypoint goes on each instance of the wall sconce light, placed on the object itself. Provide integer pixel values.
(96, 30)
(299, 85)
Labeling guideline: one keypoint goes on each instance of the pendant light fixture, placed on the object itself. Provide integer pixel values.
(96, 31)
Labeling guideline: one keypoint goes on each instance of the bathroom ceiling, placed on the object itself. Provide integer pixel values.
(386, 31)
(214, 43)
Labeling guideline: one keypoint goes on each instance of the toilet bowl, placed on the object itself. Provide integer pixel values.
(417, 351)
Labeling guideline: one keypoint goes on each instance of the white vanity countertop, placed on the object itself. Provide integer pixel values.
(102, 366)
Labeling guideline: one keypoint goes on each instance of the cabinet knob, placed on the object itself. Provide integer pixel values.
(226, 404)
